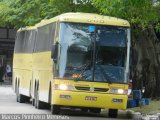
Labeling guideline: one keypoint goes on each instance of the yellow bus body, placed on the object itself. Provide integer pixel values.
(42, 72)
(30, 69)
(22, 67)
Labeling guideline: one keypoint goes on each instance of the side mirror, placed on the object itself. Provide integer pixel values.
(54, 52)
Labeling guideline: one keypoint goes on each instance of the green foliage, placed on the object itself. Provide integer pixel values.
(19, 13)
(139, 12)
(157, 27)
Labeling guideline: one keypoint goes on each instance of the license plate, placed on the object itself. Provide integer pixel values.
(117, 100)
(91, 98)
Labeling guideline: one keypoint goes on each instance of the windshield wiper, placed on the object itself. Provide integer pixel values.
(77, 72)
(104, 74)
(83, 68)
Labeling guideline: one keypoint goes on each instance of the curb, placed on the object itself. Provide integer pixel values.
(139, 116)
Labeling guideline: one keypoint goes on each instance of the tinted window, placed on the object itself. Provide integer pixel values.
(25, 41)
(29, 41)
(45, 38)
(19, 42)
(86, 56)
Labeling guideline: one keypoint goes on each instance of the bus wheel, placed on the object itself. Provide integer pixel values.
(33, 102)
(20, 98)
(84, 109)
(55, 109)
(112, 113)
(38, 104)
(95, 110)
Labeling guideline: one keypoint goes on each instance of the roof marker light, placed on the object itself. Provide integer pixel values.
(102, 21)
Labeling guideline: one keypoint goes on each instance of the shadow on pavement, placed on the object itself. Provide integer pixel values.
(6, 81)
(77, 112)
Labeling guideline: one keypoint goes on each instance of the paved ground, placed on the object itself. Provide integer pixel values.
(8, 105)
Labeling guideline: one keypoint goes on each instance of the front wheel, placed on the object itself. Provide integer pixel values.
(55, 109)
(84, 110)
(95, 110)
(113, 113)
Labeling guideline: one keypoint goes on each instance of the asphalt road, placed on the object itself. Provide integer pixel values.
(8, 105)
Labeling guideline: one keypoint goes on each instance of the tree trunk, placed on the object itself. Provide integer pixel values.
(146, 73)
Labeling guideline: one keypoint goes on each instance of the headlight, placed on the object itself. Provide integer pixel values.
(63, 87)
(118, 91)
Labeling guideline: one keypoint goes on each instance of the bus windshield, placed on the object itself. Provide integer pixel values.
(82, 54)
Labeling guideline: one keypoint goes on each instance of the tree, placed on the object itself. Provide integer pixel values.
(20, 13)
(144, 17)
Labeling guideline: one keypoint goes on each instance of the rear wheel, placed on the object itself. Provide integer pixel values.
(95, 110)
(38, 104)
(113, 113)
(21, 98)
(33, 102)
(55, 109)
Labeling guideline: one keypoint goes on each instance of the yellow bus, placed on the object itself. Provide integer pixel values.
(75, 60)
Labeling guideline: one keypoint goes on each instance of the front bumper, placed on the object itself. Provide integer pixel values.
(89, 99)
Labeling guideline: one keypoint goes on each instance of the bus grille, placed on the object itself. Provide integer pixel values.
(82, 88)
(93, 89)
(101, 89)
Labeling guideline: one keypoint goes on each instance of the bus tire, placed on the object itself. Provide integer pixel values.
(38, 104)
(15, 86)
(55, 109)
(20, 97)
(113, 113)
(33, 102)
(84, 110)
(95, 110)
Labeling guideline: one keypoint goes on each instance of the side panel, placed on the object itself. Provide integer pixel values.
(22, 72)
(42, 73)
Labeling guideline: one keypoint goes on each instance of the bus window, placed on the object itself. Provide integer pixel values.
(45, 38)
(19, 42)
(76, 53)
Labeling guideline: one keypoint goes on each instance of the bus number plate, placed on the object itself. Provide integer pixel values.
(91, 98)
(117, 100)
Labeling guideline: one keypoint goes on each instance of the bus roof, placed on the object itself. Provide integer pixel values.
(27, 28)
(89, 18)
